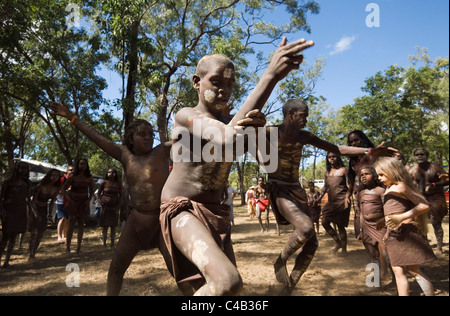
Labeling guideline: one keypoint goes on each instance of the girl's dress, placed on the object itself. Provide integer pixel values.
(335, 209)
(79, 207)
(15, 207)
(109, 214)
(406, 245)
(371, 204)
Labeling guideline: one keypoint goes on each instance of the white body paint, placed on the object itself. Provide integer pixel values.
(210, 96)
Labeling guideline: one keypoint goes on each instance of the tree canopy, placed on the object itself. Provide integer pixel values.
(53, 51)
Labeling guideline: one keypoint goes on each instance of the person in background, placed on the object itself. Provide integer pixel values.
(337, 209)
(46, 190)
(426, 175)
(61, 203)
(249, 198)
(262, 205)
(110, 195)
(79, 196)
(357, 138)
(15, 201)
(229, 194)
(314, 204)
(97, 201)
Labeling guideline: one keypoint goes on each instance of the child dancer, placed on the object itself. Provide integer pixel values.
(337, 209)
(14, 200)
(405, 241)
(371, 206)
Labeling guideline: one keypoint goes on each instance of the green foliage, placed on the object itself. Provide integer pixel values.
(406, 108)
(155, 46)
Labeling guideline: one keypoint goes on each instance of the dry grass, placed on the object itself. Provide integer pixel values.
(328, 275)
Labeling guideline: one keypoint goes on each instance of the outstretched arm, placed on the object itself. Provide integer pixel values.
(285, 59)
(111, 148)
(379, 151)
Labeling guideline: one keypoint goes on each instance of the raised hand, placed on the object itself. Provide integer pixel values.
(60, 109)
(287, 57)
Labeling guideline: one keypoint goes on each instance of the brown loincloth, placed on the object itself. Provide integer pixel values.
(215, 217)
(292, 191)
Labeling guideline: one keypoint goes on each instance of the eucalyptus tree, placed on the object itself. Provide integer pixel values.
(157, 44)
(406, 107)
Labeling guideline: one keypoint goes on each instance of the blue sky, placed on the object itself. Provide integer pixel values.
(355, 51)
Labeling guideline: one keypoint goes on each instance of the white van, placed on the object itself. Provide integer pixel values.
(319, 183)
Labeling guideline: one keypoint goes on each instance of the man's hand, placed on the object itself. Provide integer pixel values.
(383, 151)
(444, 177)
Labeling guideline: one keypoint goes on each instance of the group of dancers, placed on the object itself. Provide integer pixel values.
(180, 212)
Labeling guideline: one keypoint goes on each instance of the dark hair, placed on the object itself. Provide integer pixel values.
(131, 129)
(48, 178)
(374, 175)
(339, 162)
(365, 141)
(116, 177)
(427, 153)
(294, 104)
(87, 172)
(15, 171)
(14, 174)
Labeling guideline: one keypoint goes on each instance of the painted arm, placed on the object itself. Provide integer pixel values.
(112, 149)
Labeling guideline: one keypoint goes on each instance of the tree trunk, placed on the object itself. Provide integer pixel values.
(129, 104)
(240, 170)
(161, 118)
(7, 135)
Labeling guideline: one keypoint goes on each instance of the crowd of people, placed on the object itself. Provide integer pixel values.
(184, 209)
(28, 208)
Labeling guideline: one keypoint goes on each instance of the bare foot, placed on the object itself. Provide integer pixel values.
(281, 272)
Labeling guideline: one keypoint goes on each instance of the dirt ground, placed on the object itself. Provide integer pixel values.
(328, 274)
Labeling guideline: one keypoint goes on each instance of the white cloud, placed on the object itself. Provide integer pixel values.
(345, 43)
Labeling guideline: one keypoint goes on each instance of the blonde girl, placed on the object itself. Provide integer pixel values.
(404, 210)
